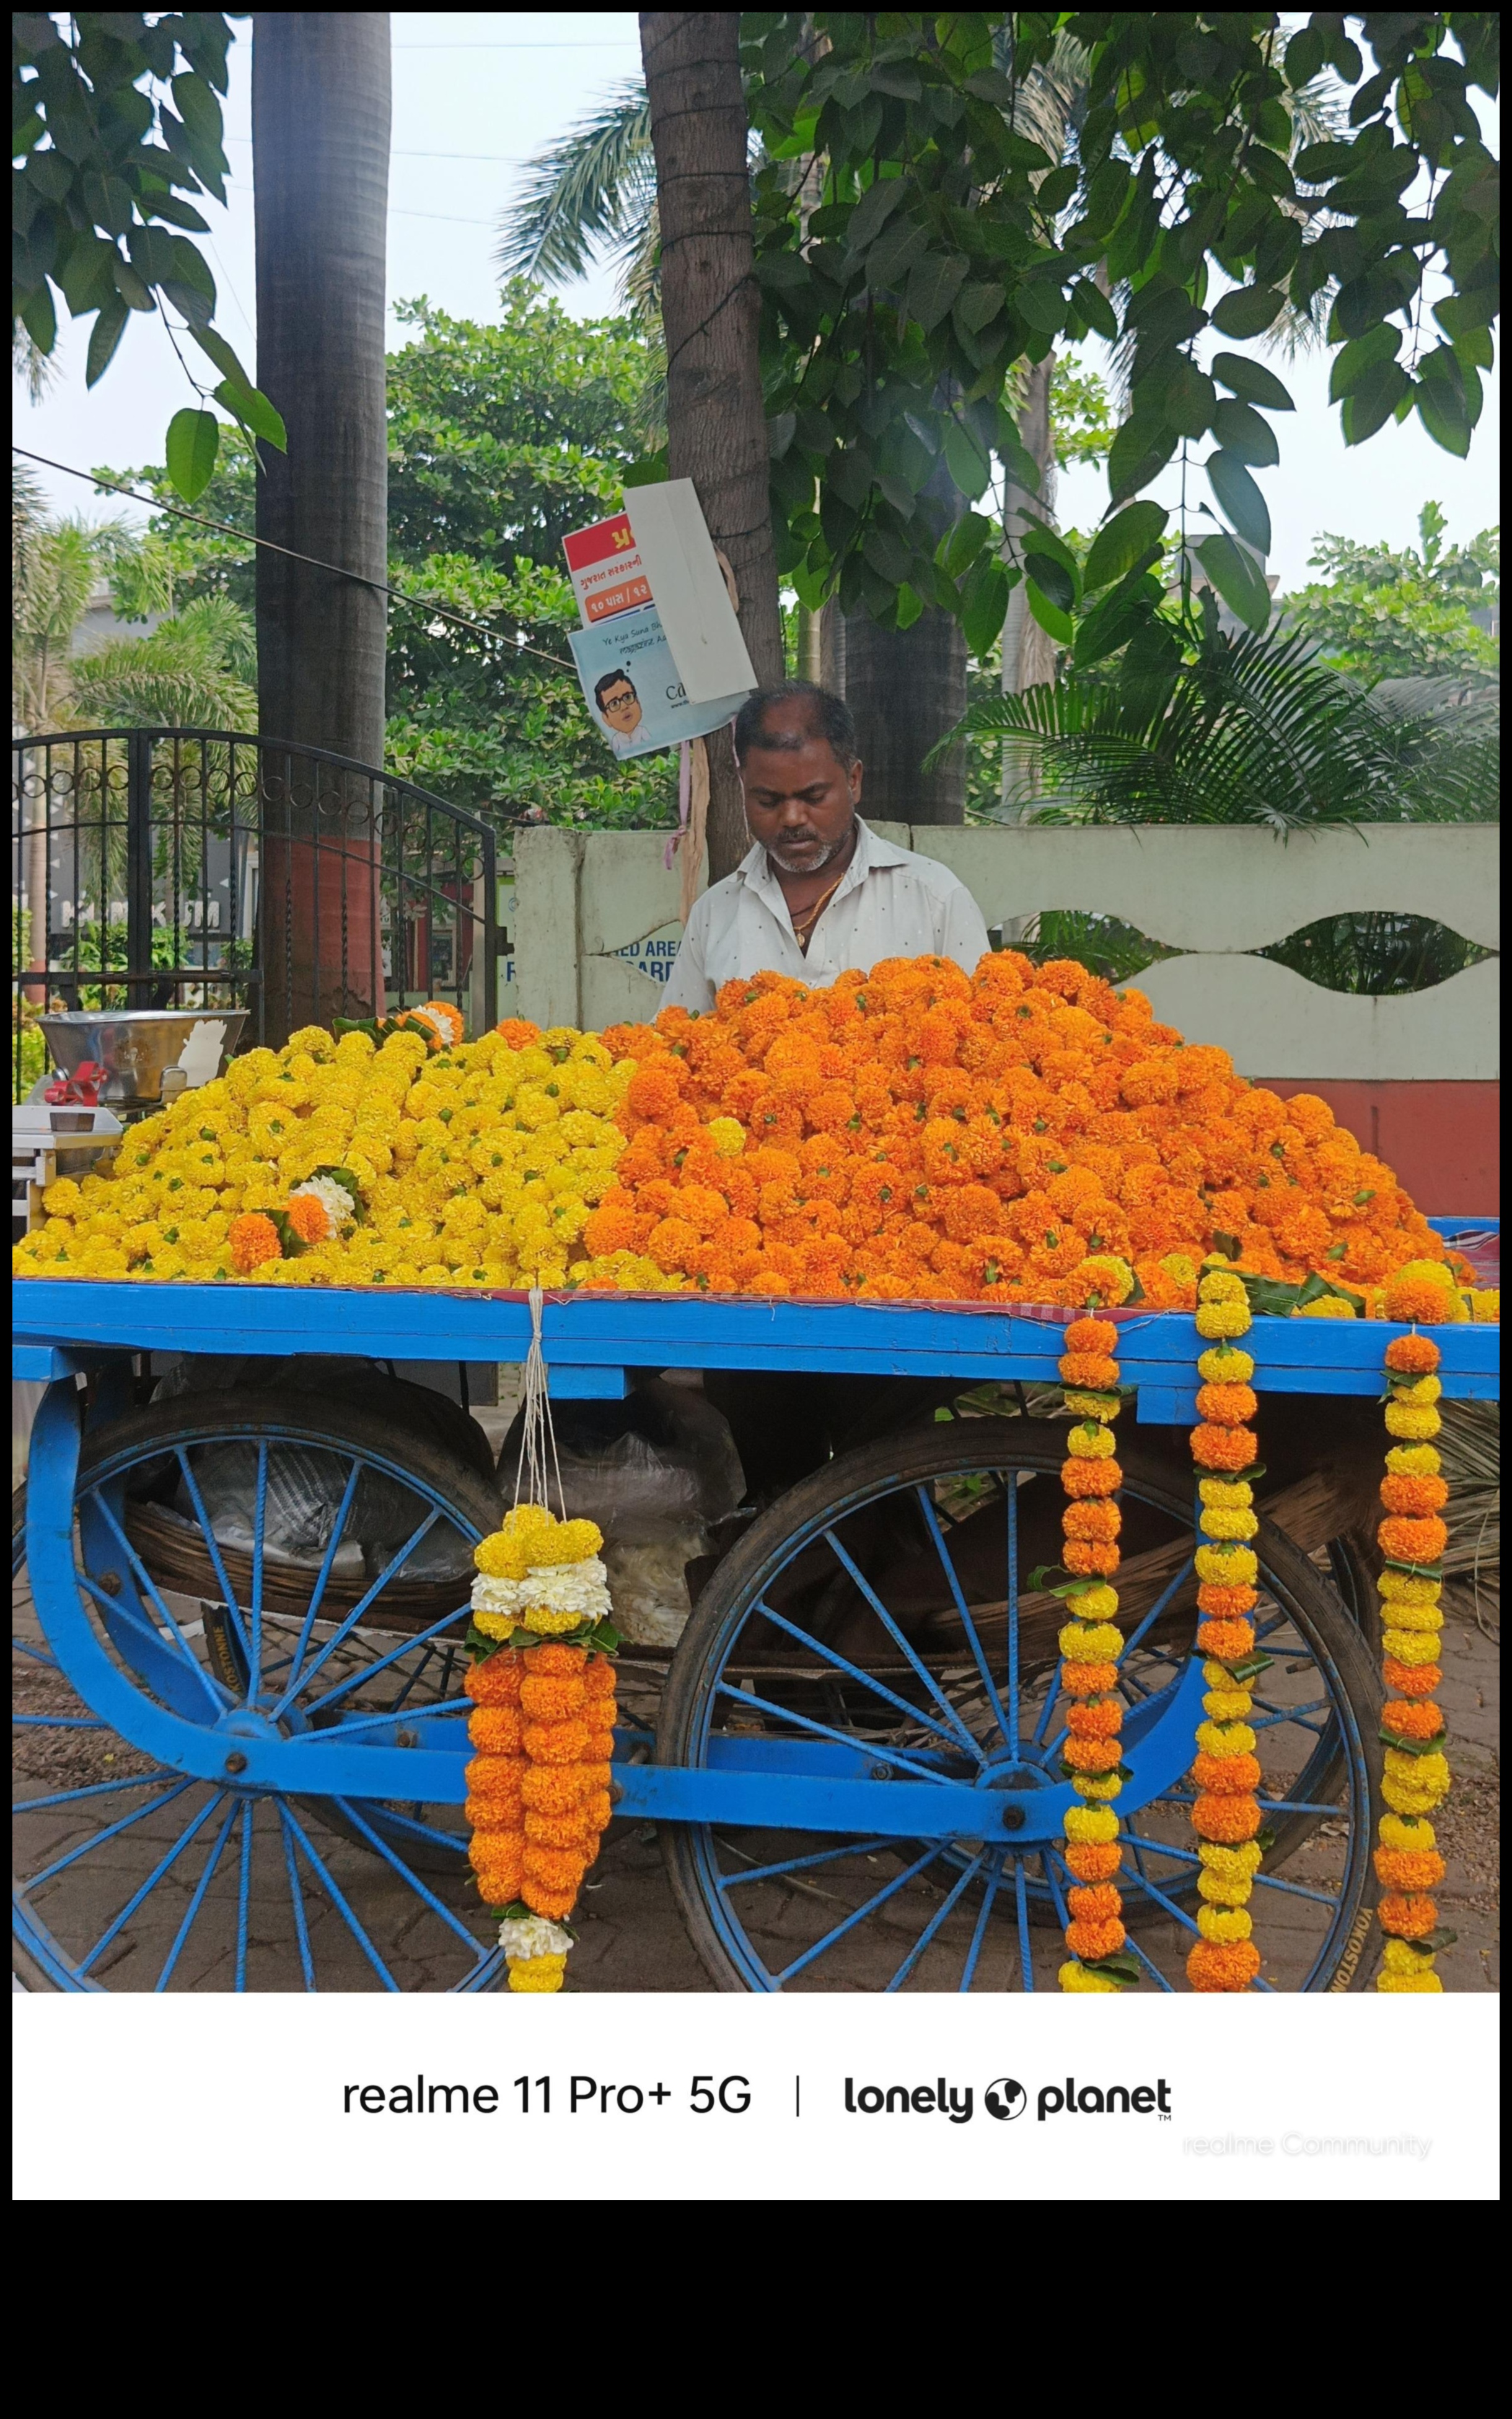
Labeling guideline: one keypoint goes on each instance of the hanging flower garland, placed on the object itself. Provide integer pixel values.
(1226, 1814)
(1090, 1645)
(1411, 1537)
(543, 1725)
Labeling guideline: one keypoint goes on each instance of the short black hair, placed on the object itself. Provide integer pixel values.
(611, 680)
(825, 717)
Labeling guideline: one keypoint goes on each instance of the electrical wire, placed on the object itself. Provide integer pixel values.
(228, 529)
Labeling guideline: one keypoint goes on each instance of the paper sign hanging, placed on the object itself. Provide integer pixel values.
(607, 573)
(634, 689)
(677, 557)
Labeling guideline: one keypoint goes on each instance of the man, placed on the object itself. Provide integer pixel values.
(618, 704)
(818, 892)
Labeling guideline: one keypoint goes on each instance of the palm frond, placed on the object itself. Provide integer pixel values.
(596, 186)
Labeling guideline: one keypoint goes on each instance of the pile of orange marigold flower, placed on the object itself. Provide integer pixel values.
(1023, 1132)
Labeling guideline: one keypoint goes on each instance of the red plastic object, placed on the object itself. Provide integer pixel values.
(80, 1091)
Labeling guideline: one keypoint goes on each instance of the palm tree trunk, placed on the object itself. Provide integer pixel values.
(711, 310)
(320, 117)
(1029, 655)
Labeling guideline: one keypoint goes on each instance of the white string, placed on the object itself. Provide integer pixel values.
(538, 1441)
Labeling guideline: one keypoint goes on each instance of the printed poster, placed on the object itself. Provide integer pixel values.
(605, 567)
(633, 688)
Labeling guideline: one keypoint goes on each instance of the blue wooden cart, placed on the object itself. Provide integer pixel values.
(851, 1756)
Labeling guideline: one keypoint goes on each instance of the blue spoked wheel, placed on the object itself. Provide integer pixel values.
(879, 1623)
(240, 1583)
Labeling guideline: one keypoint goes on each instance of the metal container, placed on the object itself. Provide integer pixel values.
(138, 1045)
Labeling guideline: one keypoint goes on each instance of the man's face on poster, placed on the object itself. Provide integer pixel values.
(619, 706)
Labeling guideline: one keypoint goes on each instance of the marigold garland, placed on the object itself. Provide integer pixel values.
(1412, 1538)
(543, 1725)
(1090, 1645)
(1225, 1771)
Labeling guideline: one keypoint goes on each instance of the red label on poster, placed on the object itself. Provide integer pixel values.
(605, 564)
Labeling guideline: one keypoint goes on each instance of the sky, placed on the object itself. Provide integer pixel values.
(475, 94)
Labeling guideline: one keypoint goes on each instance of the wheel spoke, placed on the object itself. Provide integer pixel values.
(333, 1892)
(367, 1671)
(889, 1891)
(145, 1892)
(1013, 1613)
(318, 1593)
(339, 1635)
(1159, 1606)
(829, 1655)
(57, 1722)
(1011, 1736)
(995, 1876)
(212, 1546)
(296, 1893)
(244, 1878)
(936, 1919)
(1021, 1898)
(94, 1789)
(821, 1729)
(376, 1721)
(801, 1864)
(192, 1909)
(148, 1586)
(453, 1922)
(922, 1670)
(112, 1832)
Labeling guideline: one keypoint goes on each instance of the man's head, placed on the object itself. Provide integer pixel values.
(616, 699)
(795, 748)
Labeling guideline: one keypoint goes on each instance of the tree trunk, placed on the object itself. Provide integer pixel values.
(907, 688)
(1028, 652)
(320, 122)
(710, 311)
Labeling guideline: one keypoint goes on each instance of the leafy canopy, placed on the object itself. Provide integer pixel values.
(1381, 614)
(948, 247)
(117, 119)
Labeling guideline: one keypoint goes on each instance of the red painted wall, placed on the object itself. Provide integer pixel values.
(1442, 1140)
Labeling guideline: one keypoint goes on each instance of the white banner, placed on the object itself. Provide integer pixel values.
(714, 2098)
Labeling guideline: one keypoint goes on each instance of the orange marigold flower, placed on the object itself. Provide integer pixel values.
(599, 1677)
(1094, 1520)
(1418, 1297)
(556, 1659)
(554, 1789)
(1407, 1916)
(1094, 1940)
(1412, 1541)
(1084, 1478)
(1411, 1679)
(1226, 1405)
(1092, 1755)
(556, 1742)
(497, 1679)
(1097, 1336)
(1093, 1861)
(495, 1776)
(1223, 1602)
(520, 1033)
(494, 1813)
(1226, 1641)
(573, 1831)
(1098, 1903)
(1088, 1369)
(1226, 1776)
(1408, 1869)
(1221, 1965)
(1089, 1679)
(1413, 1356)
(495, 1730)
(557, 1904)
(1101, 1718)
(252, 1241)
(548, 1699)
(1419, 1719)
(1414, 1497)
(1087, 1559)
(1218, 1448)
(1228, 1821)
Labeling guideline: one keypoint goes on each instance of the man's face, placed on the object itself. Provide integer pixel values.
(620, 707)
(801, 800)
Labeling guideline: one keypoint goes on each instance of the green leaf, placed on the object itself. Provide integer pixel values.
(173, 208)
(1247, 312)
(212, 342)
(132, 290)
(1142, 447)
(1434, 1745)
(193, 441)
(104, 338)
(1040, 534)
(38, 317)
(1444, 415)
(199, 109)
(1241, 431)
(1251, 379)
(1050, 617)
(893, 255)
(1187, 396)
(1355, 361)
(1041, 306)
(1380, 392)
(1121, 540)
(967, 458)
(1240, 499)
(984, 594)
(963, 542)
(933, 284)
(873, 209)
(250, 408)
(1095, 309)
(1235, 576)
(978, 304)
(1052, 578)
(648, 472)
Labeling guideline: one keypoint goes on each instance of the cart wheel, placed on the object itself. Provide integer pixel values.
(881, 1609)
(137, 1878)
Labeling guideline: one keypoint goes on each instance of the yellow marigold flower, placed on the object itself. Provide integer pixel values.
(1399, 1956)
(1234, 1864)
(1227, 1494)
(1422, 1389)
(1226, 1565)
(1220, 1284)
(542, 1974)
(1414, 1461)
(1074, 1976)
(62, 1199)
(1410, 1646)
(1425, 1981)
(1223, 1366)
(1181, 1270)
(547, 1624)
(1215, 1318)
(1328, 1305)
(1090, 1442)
(1427, 1777)
(1095, 1642)
(1484, 1305)
(728, 1137)
(1234, 1526)
(1406, 1835)
(1096, 1785)
(1225, 1923)
(1227, 1704)
(1226, 1738)
(494, 1625)
(1408, 1587)
(1090, 1826)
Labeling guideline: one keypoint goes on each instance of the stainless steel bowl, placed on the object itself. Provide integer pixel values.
(136, 1045)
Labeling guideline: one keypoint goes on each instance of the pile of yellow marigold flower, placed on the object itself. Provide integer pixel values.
(476, 1164)
(1022, 1134)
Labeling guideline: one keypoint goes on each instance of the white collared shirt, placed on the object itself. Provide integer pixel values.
(891, 903)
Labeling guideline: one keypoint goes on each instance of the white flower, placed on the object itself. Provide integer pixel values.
(334, 1200)
(532, 1936)
(497, 1595)
(558, 1587)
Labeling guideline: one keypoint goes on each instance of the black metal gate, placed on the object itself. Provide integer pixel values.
(213, 868)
